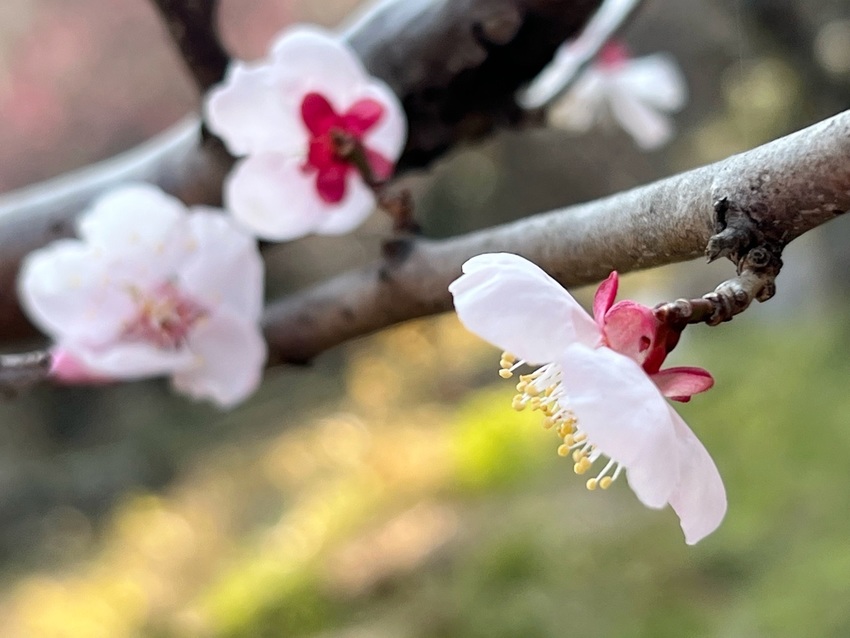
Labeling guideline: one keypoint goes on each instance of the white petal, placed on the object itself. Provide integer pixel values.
(390, 133)
(225, 268)
(656, 80)
(581, 107)
(307, 59)
(700, 498)
(513, 304)
(649, 127)
(230, 354)
(625, 416)
(355, 207)
(131, 360)
(140, 228)
(253, 113)
(273, 198)
(67, 290)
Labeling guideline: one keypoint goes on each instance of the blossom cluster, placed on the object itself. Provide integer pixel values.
(600, 386)
(151, 288)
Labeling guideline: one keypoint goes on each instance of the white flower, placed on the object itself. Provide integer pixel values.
(297, 116)
(601, 387)
(637, 93)
(150, 290)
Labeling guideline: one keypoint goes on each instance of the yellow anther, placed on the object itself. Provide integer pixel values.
(505, 374)
(518, 404)
(579, 468)
(507, 356)
(548, 392)
(605, 482)
(563, 450)
(586, 464)
(548, 423)
(521, 386)
(581, 437)
(578, 455)
(535, 403)
(591, 484)
(569, 439)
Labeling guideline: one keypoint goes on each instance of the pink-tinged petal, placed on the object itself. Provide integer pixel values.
(656, 80)
(274, 198)
(229, 357)
(65, 368)
(513, 304)
(699, 500)
(649, 128)
(358, 204)
(130, 360)
(225, 268)
(330, 182)
(625, 416)
(630, 329)
(581, 107)
(604, 297)
(382, 168)
(318, 114)
(252, 113)
(362, 116)
(680, 384)
(389, 134)
(69, 292)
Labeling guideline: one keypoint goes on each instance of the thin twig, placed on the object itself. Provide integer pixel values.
(19, 372)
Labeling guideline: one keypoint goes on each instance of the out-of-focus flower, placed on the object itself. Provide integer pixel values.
(309, 120)
(150, 289)
(636, 93)
(600, 385)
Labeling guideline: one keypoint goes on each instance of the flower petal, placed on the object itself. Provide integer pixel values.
(253, 114)
(225, 268)
(700, 498)
(229, 356)
(604, 297)
(67, 290)
(625, 416)
(271, 196)
(681, 383)
(307, 59)
(318, 114)
(362, 116)
(656, 80)
(352, 210)
(389, 134)
(65, 368)
(630, 329)
(580, 108)
(130, 360)
(649, 128)
(513, 304)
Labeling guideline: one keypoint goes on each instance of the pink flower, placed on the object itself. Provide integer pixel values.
(299, 117)
(150, 289)
(600, 385)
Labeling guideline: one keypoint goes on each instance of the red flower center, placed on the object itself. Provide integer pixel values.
(164, 317)
(333, 139)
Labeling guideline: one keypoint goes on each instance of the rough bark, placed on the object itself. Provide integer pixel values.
(773, 193)
(455, 64)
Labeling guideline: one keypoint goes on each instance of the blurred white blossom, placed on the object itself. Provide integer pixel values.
(152, 289)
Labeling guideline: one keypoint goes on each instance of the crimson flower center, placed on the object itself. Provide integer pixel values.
(336, 140)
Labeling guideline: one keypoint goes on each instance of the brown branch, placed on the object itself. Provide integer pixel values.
(19, 372)
(455, 65)
(191, 24)
(783, 189)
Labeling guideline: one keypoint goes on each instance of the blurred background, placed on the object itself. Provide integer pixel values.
(388, 490)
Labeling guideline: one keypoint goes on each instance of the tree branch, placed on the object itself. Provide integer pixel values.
(191, 24)
(21, 371)
(777, 192)
(455, 65)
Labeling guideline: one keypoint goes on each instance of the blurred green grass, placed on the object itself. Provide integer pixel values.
(421, 506)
